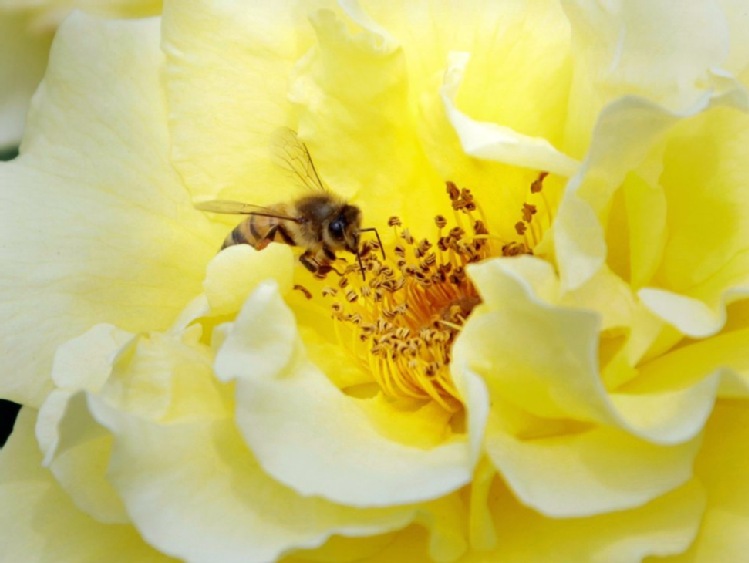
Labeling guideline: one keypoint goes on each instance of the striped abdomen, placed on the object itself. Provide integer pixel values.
(258, 231)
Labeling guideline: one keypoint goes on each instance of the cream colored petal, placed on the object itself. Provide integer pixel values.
(80, 456)
(540, 364)
(722, 467)
(737, 18)
(309, 435)
(95, 222)
(23, 58)
(725, 353)
(195, 491)
(157, 376)
(235, 272)
(705, 262)
(660, 51)
(40, 523)
(662, 527)
(528, 352)
(591, 472)
(540, 357)
(489, 141)
(438, 535)
(85, 362)
(75, 447)
(690, 316)
(354, 113)
(514, 83)
(626, 133)
(518, 75)
(226, 103)
(48, 14)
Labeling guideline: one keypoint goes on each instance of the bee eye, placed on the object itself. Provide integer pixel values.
(336, 229)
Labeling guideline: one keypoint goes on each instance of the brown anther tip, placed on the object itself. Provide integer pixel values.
(394, 221)
(440, 221)
(538, 183)
(307, 293)
(520, 228)
(479, 228)
(351, 296)
(452, 190)
(528, 211)
(328, 291)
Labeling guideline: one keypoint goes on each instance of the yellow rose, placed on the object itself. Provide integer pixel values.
(26, 31)
(561, 378)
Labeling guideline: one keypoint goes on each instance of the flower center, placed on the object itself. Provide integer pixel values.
(406, 314)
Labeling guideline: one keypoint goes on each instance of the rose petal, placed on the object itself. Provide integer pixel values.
(235, 272)
(490, 141)
(40, 523)
(23, 58)
(352, 87)
(593, 472)
(619, 50)
(309, 435)
(662, 527)
(101, 242)
(236, 96)
(625, 132)
(539, 394)
(234, 511)
(722, 467)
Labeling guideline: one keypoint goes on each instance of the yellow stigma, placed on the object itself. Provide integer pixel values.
(407, 313)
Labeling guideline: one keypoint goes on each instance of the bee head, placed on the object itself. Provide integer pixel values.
(343, 229)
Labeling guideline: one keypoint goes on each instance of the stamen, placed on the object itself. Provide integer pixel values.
(405, 316)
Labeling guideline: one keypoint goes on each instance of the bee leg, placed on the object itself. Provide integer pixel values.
(308, 261)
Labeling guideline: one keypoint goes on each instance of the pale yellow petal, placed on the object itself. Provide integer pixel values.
(660, 51)
(489, 141)
(80, 456)
(307, 434)
(590, 472)
(722, 466)
(193, 489)
(23, 58)
(438, 535)
(353, 93)
(40, 523)
(156, 376)
(705, 262)
(626, 134)
(518, 73)
(727, 351)
(226, 103)
(95, 221)
(235, 272)
(541, 357)
(662, 527)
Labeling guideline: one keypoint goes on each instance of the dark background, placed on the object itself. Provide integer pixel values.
(8, 410)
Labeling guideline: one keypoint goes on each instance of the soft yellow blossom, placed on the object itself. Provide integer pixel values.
(26, 31)
(572, 387)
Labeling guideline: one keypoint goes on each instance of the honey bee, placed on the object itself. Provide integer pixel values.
(320, 222)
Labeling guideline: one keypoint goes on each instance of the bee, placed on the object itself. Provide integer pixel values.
(320, 222)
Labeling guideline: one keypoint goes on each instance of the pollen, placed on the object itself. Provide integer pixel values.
(403, 318)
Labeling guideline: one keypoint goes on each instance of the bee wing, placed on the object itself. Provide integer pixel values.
(226, 206)
(293, 156)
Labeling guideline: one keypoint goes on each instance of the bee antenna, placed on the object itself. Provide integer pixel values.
(382, 248)
(361, 265)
